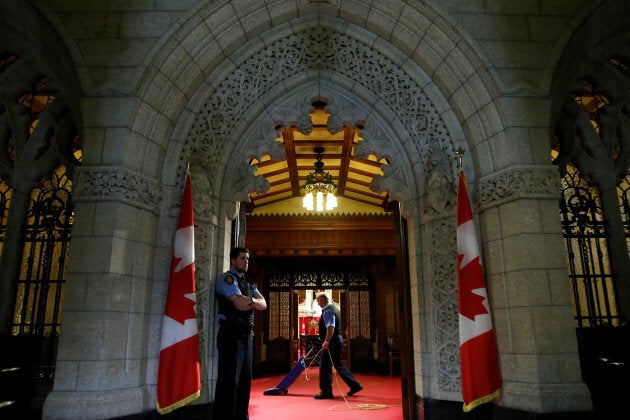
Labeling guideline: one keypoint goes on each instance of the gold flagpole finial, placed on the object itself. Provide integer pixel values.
(460, 157)
(187, 157)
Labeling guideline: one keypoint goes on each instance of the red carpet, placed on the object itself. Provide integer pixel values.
(381, 398)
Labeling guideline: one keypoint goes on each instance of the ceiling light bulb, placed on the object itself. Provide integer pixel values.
(320, 201)
(307, 203)
(331, 201)
(321, 183)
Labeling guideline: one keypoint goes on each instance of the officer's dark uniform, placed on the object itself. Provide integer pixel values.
(334, 349)
(235, 342)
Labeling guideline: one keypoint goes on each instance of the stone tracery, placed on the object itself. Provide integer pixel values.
(323, 50)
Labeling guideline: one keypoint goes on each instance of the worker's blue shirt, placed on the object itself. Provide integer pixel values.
(328, 316)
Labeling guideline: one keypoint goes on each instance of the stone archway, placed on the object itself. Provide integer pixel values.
(275, 83)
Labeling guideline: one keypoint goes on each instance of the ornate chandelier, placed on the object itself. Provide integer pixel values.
(319, 187)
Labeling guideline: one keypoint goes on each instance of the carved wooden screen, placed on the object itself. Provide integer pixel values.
(279, 315)
(279, 286)
(359, 314)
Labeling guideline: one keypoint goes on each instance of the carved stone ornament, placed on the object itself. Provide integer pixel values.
(324, 49)
(293, 112)
(442, 252)
(242, 181)
(516, 183)
(441, 188)
(103, 183)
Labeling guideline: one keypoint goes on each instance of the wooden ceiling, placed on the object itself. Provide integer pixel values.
(351, 175)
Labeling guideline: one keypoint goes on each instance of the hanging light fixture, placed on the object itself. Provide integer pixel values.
(319, 187)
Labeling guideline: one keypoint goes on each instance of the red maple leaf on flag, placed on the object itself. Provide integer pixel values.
(471, 278)
(178, 306)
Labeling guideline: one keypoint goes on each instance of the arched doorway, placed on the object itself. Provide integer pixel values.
(384, 125)
(360, 277)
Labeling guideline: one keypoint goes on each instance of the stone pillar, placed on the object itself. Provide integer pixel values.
(102, 354)
(527, 280)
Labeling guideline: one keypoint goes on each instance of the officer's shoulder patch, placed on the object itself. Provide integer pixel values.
(228, 279)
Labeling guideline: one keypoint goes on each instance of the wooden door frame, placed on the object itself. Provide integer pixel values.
(407, 370)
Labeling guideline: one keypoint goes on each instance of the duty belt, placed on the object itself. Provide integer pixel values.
(239, 326)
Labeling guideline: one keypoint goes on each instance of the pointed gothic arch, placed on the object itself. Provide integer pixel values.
(230, 118)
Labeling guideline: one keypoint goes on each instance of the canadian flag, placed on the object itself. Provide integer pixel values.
(481, 381)
(179, 380)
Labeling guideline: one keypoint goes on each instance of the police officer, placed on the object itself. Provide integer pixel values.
(237, 298)
(330, 332)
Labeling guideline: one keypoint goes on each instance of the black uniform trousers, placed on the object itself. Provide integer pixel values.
(325, 366)
(234, 379)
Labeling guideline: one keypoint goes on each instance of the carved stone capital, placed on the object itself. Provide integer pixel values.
(516, 183)
(105, 183)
